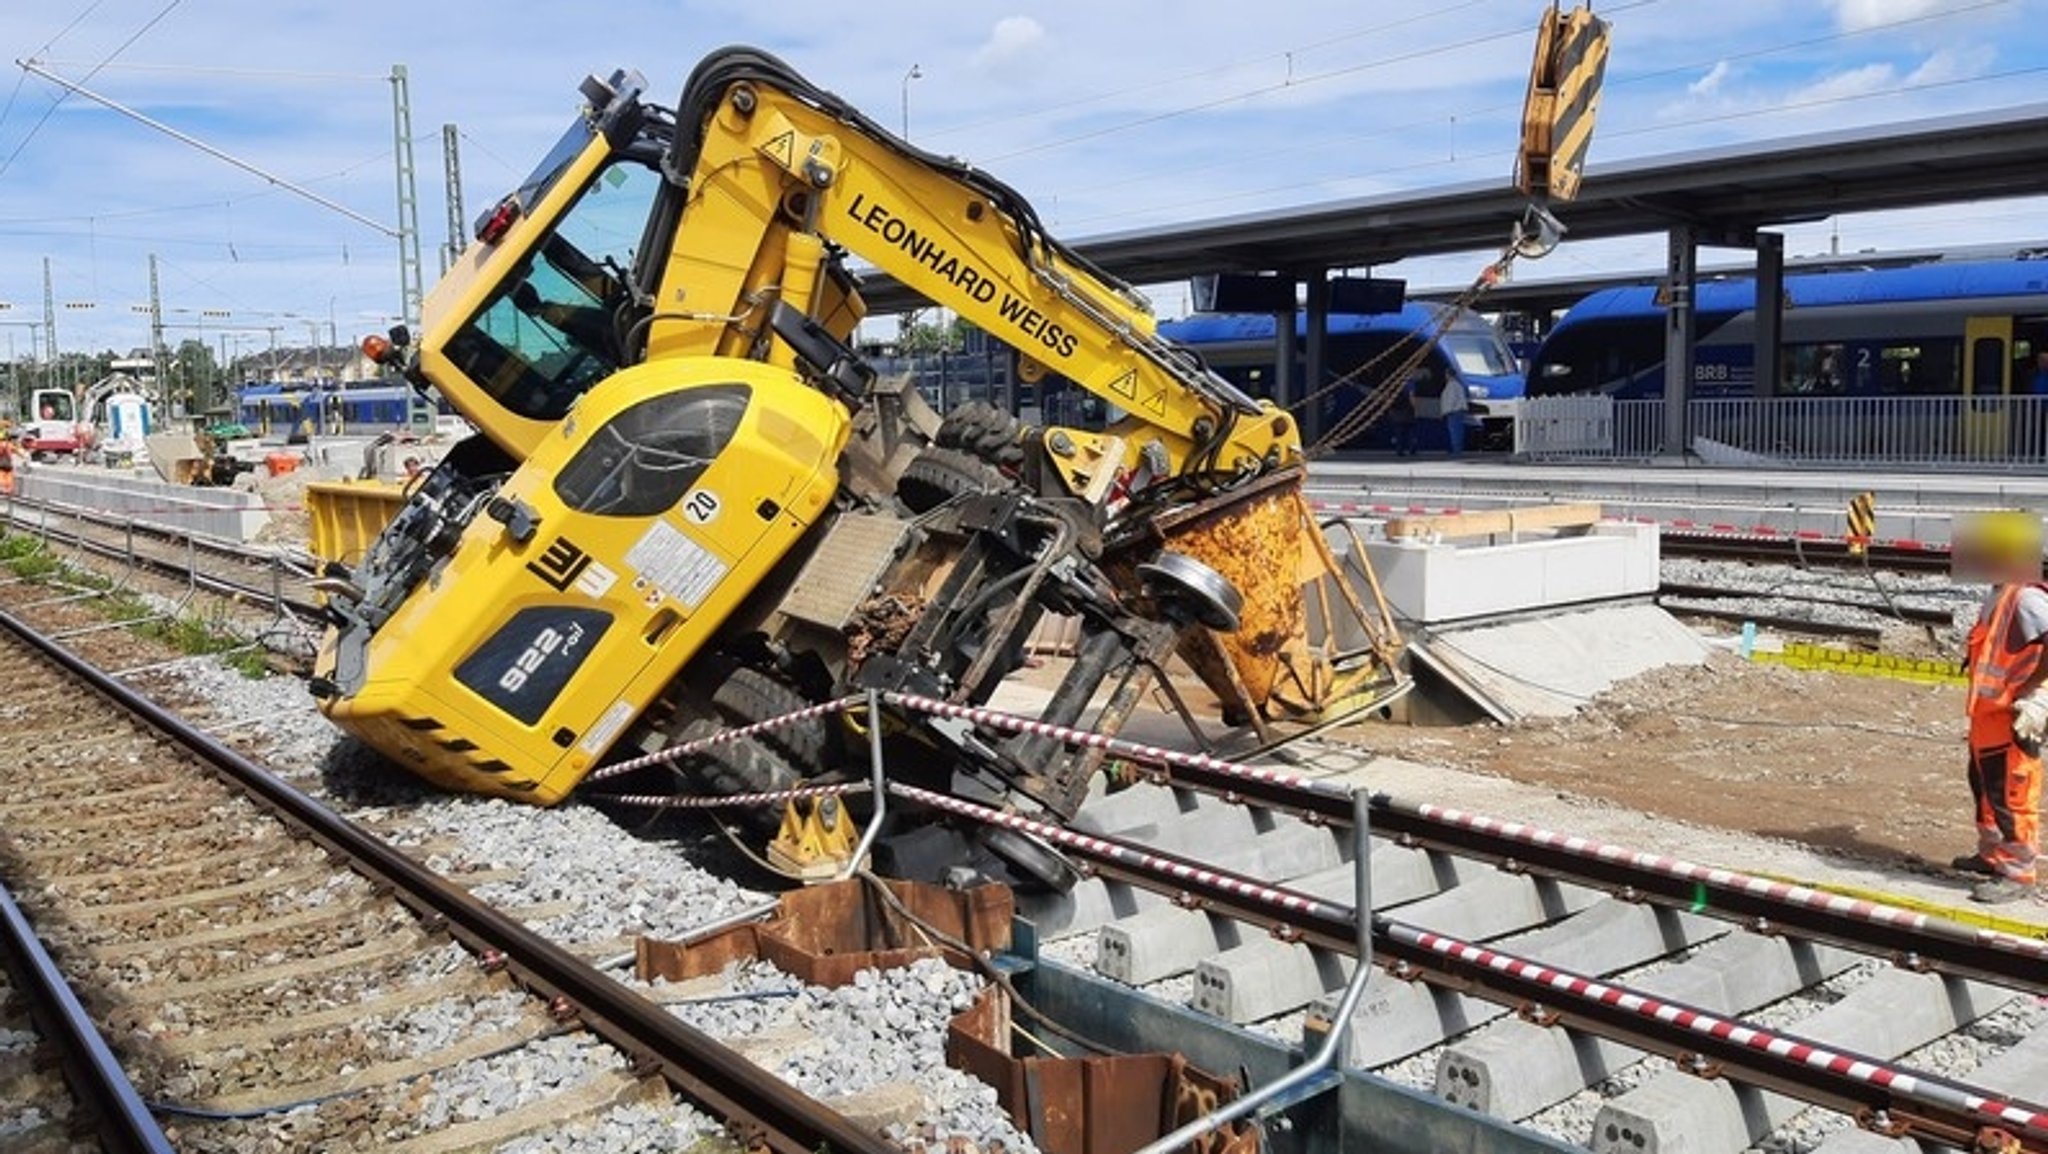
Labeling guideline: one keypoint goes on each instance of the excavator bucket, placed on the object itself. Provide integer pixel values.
(1285, 659)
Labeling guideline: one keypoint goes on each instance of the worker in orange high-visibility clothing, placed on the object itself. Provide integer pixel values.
(6, 467)
(2008, 703)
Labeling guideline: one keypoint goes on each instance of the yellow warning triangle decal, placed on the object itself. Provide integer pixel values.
(781, 148)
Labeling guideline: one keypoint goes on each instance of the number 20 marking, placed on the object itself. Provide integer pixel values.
(700, 507)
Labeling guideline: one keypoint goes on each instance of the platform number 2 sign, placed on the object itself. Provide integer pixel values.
(701, 507)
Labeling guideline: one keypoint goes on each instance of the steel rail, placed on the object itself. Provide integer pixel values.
(104, 1095)
(1913, 939)
(1873, 1090)
(761, 1107)
(1919, 614)
(1797, 550)
(210, 582)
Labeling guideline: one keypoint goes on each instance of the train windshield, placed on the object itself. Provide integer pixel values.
(557, 325)
(1478, 355)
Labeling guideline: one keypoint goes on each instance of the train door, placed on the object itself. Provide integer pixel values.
(1987, 382)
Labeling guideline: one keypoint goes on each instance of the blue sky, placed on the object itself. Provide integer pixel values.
(1109, 116)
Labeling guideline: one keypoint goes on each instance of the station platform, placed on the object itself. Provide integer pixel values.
(1912, 507)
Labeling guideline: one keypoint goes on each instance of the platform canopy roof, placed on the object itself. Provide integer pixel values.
(1727, 193)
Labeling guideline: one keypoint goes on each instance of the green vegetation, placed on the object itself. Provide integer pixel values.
(30, 559)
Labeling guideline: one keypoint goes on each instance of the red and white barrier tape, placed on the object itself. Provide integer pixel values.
(1683, 525)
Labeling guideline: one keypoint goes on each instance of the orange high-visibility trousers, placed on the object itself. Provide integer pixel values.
(2006, 781)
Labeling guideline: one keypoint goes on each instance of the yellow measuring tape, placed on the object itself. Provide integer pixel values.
(1977, 917)
(1923, 670)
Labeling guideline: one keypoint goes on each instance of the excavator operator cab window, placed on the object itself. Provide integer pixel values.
(641, 462)
(558, 325)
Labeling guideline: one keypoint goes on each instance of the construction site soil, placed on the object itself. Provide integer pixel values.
(1862, 766)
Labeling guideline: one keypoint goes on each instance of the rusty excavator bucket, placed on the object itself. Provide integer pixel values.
(1308, 646)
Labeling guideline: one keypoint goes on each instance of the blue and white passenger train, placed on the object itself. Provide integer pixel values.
(295, 412)
(1974, 329)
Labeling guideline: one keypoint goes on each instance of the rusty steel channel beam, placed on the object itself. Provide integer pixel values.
(1876, 1092)
(106, 1099)
(761, 1107)
(1912, 939)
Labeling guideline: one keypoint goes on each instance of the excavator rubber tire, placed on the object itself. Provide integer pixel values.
(746, 765)
(748, 695)
(937, 475)
(984, 431)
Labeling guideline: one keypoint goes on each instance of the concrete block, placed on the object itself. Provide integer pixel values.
(1892, 1013)
(223, 514)
(1266, 978)
(2021, 1071)
(1092, 902)
(1163, 942)
(1290, 850)
(1513, 1068)
(1496, 903)
(1431, 583)
(1606, 937)
(1139, 805)
(1197, 833)
(1255, 981)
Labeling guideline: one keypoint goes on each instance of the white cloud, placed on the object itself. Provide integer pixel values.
(1012, 38)
(1846, 85)
(1858, 15)
(1710, 84)
(1946, 65)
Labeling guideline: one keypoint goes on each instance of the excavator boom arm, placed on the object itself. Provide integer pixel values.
(767, 169)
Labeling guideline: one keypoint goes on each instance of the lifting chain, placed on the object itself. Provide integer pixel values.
(1535, 235)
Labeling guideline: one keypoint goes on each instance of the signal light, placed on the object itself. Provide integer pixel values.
(494, 226)
(378, 349)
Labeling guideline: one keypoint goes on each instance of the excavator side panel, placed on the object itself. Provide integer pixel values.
(606, 562)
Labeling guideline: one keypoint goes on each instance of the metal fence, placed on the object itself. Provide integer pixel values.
(1790, 432)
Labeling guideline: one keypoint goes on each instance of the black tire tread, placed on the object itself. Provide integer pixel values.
(937, 475)
(749, 695)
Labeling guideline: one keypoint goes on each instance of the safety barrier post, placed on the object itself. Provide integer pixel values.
(1308, 1079)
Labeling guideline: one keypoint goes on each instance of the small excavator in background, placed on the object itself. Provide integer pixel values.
(691, 506)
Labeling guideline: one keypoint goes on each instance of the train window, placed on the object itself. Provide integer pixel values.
(1925, 369)
(1478, 355)
(1816, 371)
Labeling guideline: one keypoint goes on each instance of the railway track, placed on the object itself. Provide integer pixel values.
(270, 579)
(1519, 988)
(275, 966)
(1794, 550)
(1535, 965)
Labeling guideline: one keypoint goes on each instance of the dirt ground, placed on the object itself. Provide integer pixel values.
(1864, 766)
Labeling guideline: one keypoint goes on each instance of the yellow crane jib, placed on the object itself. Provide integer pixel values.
(1563, 103)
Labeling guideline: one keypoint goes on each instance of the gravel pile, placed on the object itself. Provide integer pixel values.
(887, 1026)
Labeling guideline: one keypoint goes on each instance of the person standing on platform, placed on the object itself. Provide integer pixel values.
(1402, 415)
(1452, 406)
(2007, 705)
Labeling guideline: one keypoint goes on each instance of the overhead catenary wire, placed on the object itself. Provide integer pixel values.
(138, 34)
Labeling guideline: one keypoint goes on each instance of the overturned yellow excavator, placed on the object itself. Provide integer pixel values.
(691, 505)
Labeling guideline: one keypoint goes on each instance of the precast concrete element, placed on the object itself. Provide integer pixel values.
(1513, 1068)
(232, 515)
(1288, 850)
(1264, 978)
(1893, 1012)
(1398, 1019)
(1434, 582)
(1160, 943)
(1551, 666)
(1140, 805)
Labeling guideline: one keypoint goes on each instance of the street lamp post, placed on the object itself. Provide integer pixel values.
(914, 74)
